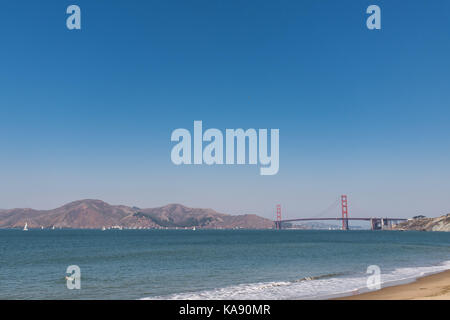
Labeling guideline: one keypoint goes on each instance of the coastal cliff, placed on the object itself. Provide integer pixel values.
(426, 224)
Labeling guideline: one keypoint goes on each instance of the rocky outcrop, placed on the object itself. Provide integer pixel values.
(426, 224)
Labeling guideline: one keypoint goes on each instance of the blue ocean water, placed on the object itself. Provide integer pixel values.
(211, 264)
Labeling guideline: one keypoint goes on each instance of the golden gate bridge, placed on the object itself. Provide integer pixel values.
(376, 223)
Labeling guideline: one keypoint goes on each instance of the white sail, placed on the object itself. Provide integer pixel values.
(25, 228)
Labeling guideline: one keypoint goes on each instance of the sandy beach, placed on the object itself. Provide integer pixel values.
(433, 287)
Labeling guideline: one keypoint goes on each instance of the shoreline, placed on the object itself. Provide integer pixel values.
(431, 287)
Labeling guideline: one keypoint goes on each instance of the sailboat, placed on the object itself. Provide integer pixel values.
(25, 228)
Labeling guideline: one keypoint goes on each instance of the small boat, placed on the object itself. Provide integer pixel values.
(25, 228)
(53, 227)
(103, 229)
(193, 229)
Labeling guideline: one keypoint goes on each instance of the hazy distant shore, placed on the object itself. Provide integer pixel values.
(432, 287)
(97, 214)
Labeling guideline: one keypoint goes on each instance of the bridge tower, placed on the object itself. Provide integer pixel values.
(344, 204)
(278, 224)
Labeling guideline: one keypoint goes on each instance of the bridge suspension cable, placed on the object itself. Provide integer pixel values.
(327, 210)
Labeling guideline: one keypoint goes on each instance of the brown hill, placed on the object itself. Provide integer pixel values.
(95, 214)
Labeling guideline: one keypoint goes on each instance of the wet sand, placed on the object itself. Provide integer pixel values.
(433, 287)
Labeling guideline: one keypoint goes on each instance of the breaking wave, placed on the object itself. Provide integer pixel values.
(320, 287)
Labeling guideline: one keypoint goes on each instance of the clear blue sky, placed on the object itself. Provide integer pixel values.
(88, 114)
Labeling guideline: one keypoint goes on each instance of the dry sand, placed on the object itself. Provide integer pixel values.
(433, 287)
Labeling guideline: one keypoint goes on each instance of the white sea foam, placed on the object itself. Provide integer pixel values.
(306, 289)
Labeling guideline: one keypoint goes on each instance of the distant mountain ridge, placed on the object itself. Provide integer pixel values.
(96, 214)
